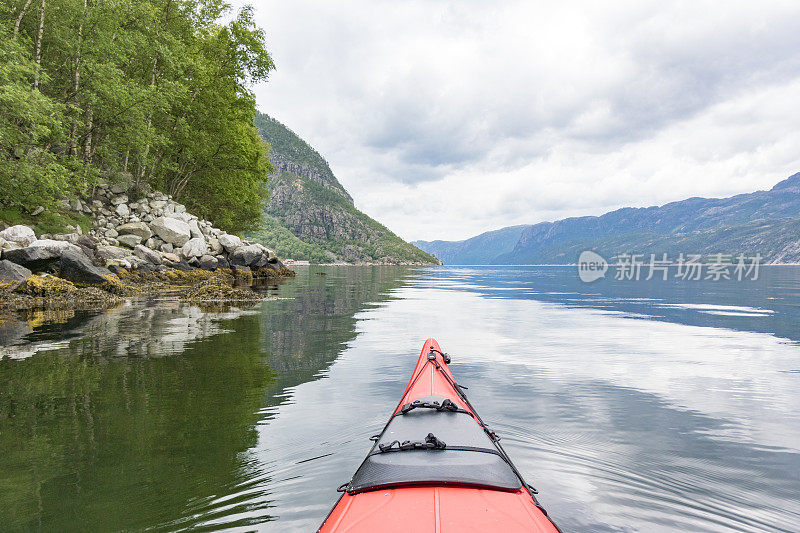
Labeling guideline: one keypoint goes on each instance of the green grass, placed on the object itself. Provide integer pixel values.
(51, 221)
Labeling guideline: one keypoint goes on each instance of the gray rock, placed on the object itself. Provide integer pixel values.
(129, 240)
(122, 210)
(166, 248)
(152, 243)
(245, 255)
(171, 230)
(209, 262)
(136, 228)
(77, 268)
(22, 235)
(36, 259)
(157, 204)
(87, 242)
(194, 228)
(55, 246)
(229, 242)
(121, 199)
(180, 208)
(111, 233)
(222, 262)
(215, 246)
(110, 253)
(171, 257)
(147, 218)
(194, 248)
(13, 272)
(38, 211)
(147, 254)
(118, 188)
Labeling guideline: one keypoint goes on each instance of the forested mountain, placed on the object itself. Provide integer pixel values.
(311, 216)
(765, 222)
(147, 92)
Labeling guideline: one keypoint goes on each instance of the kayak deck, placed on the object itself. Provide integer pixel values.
(457, 478)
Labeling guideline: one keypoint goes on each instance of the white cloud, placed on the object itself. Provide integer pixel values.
(444, 119)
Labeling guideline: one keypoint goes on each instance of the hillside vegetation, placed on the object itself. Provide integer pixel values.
(311, 216)
(149, 92)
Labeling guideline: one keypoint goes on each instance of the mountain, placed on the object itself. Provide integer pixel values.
(311, 216)
(480, 250)
(765, 222)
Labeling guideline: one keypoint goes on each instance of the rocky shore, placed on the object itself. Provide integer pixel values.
(144, 245)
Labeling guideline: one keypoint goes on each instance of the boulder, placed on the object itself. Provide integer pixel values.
(110, 253)
(118, 188)
(143, 252)
(209, 262)
(171, 230)
(38, 211)
(194, 228)
(111, 233)
(129, 240)
(56, 246)
(123, 210)
(171, 257)
(10, 272)
(166, 248)
(194, 248)
(77, 268)
(22, 235)
(135, 228)
(222, 262)
(215, 246)
(245, 255)
(36, 259)
(88, 242)
(229, 242)
(119, 200)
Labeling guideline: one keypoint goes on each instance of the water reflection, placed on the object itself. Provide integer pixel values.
(632, 407)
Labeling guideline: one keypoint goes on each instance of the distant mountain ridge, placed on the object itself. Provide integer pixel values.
(311, 216)
(765, 222)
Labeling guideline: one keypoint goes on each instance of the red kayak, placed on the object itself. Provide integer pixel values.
(436, 467)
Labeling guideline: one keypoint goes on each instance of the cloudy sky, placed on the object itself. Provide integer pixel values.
(445, 119)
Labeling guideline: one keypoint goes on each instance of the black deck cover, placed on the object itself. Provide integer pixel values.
(449, 466)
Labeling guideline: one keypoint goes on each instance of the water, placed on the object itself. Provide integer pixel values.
(631, 406)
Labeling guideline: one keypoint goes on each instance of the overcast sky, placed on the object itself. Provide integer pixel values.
(445, 119)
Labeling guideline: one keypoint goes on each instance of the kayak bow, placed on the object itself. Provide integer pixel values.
(436, 467)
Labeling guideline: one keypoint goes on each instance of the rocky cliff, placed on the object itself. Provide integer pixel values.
(311, 216)
(765, 222)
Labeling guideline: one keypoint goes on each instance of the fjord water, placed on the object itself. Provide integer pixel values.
(631, 406)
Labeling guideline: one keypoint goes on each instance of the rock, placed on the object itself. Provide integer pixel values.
(215, 246)
(166, 248)
(180, 208)
(46, 286)
(111, 253)
(209, 262)
(129, 240)
(194, 248)
(222, 262)
(118, 200)
(157, 204)
(22, 235)
(55, 246)
(152, 243)
(111, 233)
(75, 267)
(87, 241)
(36, 259)
(75, 205)
(122, 210)
(245, 255)
(171, 230)
(194, 228)
(229, 242)
(147, 254)
(194, 262)
(118, 188)
(12, 272)
(135, 228)
(38, 211)
(171, 257)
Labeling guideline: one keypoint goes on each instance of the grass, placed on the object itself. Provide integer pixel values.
(51, 221)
